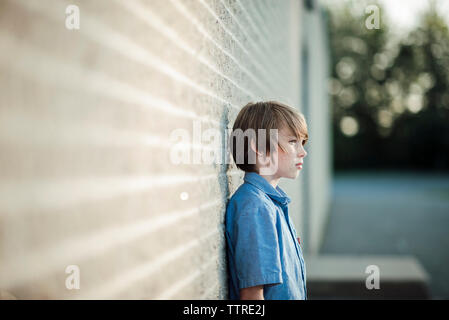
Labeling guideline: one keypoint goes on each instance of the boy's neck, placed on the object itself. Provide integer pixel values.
(271, 180)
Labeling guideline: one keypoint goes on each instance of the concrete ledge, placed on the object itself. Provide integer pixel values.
(344, 277)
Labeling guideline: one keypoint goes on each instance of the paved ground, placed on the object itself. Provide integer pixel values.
(393, 213)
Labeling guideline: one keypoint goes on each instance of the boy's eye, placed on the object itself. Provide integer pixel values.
(293, 141)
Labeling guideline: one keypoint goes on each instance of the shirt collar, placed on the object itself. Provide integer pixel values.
(260, 182)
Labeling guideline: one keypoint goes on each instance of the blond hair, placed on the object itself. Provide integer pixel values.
(267, 115)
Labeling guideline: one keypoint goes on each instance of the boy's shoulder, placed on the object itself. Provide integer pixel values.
(249, 195)
(248, 191)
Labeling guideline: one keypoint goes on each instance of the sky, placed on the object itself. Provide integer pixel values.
(404, 13)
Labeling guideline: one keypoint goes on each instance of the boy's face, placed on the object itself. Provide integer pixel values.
(283, 163)
(290, 161)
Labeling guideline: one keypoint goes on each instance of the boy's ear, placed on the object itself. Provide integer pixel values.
(253, 147)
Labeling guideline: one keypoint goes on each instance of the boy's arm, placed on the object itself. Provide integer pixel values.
(252, 293)
(256, 249)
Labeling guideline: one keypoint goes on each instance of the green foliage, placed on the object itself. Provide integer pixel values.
(390, 96)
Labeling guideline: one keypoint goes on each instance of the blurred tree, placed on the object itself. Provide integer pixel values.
(390, 96)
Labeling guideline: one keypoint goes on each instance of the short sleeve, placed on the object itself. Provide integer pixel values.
(257, 254)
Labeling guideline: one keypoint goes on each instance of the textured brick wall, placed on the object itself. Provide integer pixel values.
(85, 123)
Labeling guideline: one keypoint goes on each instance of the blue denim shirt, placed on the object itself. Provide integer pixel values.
(262, 242)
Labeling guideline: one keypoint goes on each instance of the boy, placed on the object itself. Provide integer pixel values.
(265, 258)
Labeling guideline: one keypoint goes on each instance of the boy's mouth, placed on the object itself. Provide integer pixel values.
(299, 165)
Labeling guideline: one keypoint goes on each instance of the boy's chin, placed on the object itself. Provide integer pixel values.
(292, 175)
